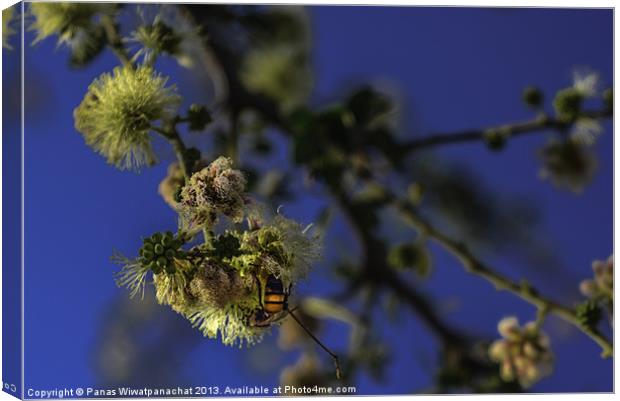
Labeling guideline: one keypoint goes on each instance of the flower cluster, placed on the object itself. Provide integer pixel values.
(568, 101)
(7, 30)
(118, 111)
(217, 285)
(156, 38)
(160, 253)
(533, 97)
(223, 285)
(524, 353)
(568, 162)
(217, 188)
(568, 104)
(279, 73)
(568, 165)
(66, 20)
(281, 247)
(601, 287)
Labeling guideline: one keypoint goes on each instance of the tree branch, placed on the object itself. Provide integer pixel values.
(172, 135)
(374, 252)
(115, 42)
(377, 272)
(523, 290)
(535, 125)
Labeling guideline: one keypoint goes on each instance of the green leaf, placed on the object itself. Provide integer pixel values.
(367, 104)
(588, 313)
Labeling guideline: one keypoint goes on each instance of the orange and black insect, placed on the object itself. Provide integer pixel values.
(273, 299)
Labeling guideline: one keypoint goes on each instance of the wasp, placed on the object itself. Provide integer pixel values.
(273, 298)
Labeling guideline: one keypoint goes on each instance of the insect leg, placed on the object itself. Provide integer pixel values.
(307, 330)
(260, 295)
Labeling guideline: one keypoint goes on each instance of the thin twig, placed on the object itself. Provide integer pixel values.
(115, 42)
(233, 138)
(172, 135)
(536, 125)
(523, 290)
(376, 272)
(169, 131)
(374, 253)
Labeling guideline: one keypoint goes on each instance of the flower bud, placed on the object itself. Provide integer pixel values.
(519, 362)
(567, 103)
(198, 117)
(403, 255)
(159, 249)
(167, 239)
(495, 139)
(530, 373)
(162, 262)
(158, 37)
(587, 288)
(506, 371)
(523, 353)
(498, 350)
(508, 327)
(530, 350)
(533, 97)
(602, 285)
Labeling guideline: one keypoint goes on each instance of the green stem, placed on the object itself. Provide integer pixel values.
(115, 42)
(541, 315)
(523, 290)
(172, 135)
(538, 124)
(233, 139)
(206, 233)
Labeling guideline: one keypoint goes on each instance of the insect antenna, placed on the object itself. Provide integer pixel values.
(307, 330)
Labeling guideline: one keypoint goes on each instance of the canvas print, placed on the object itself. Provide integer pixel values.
(268, 200)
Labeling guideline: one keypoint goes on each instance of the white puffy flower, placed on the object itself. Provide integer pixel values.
(586, 82)
(586, 131)
(568, 165)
